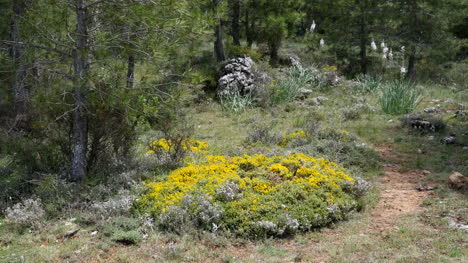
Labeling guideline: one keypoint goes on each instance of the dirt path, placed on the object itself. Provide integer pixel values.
(399, 195)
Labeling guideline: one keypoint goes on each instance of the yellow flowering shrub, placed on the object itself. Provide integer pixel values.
(258, 195)
(188, 145)
(288, 137)
(329, 68)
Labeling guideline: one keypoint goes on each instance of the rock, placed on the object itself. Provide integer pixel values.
(461, 114)
(71, 233)
(237, 77)
(93, 233)
(430, 138)
(465, 148)
(294, 62)
(422, 125)
(426, 172)
(390, 121)
(452, 223)
(423, 122)
(431, 110)
(423, 188)
(304, 93)
(457, 181)
(317, 100)
(449, 139)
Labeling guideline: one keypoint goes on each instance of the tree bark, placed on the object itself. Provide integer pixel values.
(274, 57)
(130, 71)
(410, 74)
(80, 121)
(363, 39)
(235, 27)
(218, 44)
(248, 35)
(19, 86)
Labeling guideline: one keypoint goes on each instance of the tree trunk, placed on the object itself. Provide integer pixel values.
(19, 86)
(130, 71)
(80, 121)
(410, 74)
(218, 44)
(248, 34)
(274, 57)
(235, 27)
(363, 40)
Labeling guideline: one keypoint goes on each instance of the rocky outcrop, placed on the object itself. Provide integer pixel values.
(237, 77)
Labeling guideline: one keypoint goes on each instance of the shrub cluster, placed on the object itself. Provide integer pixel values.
(26, 213)
(399, 97)
(250, 196)
(171, 152)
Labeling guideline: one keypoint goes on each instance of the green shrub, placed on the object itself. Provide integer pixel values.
(288, 89)
(126, 237)
(123, 230)
(250, 196)
(399, 97)
(369, 83)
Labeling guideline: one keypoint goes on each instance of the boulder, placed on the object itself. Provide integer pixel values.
(237, 77)
(449, 139)
(457, 181)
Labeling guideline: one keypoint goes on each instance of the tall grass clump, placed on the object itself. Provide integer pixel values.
(369, 83)
(399, 97)
(297, 77)
(236, 102)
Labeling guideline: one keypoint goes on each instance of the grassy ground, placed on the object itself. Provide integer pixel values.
(420, 236)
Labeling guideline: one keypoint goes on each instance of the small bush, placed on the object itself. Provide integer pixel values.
(287, 90)
(171, 152)
(399, 97)
(262, 133)
(27, 213)
(127, 237)
(293, 139)
(369, 83)
(355, 112)
(123, 230)
(118, 205)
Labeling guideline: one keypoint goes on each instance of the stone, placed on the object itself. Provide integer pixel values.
(461, 114)
(237, 77)
(431, 110)
(304, 93)
(426, 172)
(294, 62)
(449, 139)
(457, 181)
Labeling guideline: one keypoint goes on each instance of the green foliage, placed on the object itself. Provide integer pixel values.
(123, 230)
(236, 51)
(250, 196)
(275, 21)
(297, 78)
(369, 83)
(236, 102)
(399, 97)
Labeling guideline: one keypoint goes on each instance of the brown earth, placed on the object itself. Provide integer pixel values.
(399, 193)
